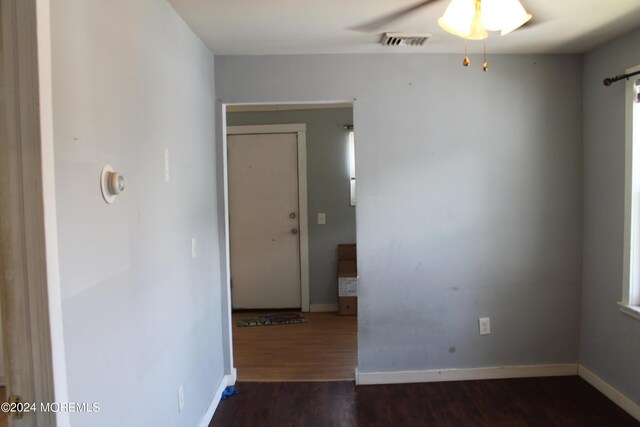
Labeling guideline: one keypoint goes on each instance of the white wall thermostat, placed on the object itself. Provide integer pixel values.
(111, 183)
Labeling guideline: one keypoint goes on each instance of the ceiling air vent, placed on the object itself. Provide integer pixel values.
(404, 39)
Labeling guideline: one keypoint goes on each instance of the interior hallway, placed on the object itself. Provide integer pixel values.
(325, 349)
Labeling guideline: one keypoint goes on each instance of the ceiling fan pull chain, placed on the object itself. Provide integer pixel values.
(485, 64)
(465, 61)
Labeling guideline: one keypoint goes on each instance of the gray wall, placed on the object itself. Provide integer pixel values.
(609, 344)
(469, 199)
(140, 315)
(327, 189)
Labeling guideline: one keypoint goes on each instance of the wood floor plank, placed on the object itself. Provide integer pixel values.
(526, 402)
(4, 417)
(324, 349)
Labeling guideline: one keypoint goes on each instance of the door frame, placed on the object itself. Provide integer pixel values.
(300, 129)
(30, 284)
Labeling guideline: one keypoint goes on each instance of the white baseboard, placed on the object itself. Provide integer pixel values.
(611, 392)
(323, 308)
(466, 374)
(227, 380)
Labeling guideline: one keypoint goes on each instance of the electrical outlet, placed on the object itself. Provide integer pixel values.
(194, 253)
(180, 397)
(485, 325)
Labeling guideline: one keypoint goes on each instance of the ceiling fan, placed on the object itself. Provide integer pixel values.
(378, 23)
(467, 19)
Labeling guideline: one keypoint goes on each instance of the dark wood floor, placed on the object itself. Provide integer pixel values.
(544, 402)
(4, 417)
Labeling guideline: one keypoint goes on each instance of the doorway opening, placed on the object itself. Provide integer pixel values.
(290, 203)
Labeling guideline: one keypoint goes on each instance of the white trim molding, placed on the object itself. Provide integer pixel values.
(630, 310)
(466, 374)
(253, 129)
(631, 246)
(33, 330)
(285, 107)
(611, 392)
(227, 380)
(301, 130)
(323, 308)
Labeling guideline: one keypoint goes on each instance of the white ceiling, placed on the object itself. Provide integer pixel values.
(266, 27)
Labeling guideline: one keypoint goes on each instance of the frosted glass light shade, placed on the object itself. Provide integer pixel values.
(470, 19)
(503, 15)
(458, 16)
(478, 31)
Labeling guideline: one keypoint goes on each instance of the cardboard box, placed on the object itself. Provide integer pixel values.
(347, 286)
(348, 306)
(347, 251)
(347, 280)
(347, 268)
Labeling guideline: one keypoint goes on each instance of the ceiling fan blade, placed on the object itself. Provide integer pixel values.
(529, 23)
(537, 17)
(376, 24)
(533, 22)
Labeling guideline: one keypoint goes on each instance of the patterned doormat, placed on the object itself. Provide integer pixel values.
(272, 320)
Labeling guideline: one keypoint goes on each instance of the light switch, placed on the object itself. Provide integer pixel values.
(322, 218)
(485, 325)
(181, 398)
(194, 253)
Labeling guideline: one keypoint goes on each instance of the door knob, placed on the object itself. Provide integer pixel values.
(294, 231)
(292, 215)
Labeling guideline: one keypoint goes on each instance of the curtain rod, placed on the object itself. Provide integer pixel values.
(609, 80)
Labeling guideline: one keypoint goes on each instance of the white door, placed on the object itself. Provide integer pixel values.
(264, 220)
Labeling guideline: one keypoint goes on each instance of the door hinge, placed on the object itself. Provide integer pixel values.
(15, 402)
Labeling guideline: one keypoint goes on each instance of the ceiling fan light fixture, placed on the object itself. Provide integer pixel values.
(458, 17)
(471, 19)
(503, 15)
(495, 14)
(517, 16)
(478, 31)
